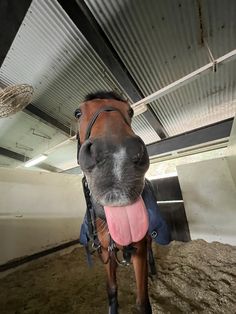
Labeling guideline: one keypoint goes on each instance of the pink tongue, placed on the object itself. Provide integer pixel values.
(127, 224)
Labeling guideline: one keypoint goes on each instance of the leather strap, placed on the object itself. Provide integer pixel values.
(97, 113)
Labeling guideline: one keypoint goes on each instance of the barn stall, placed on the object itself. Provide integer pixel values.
(175, 62)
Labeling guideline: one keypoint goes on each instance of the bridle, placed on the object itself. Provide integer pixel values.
(94, 118)
(96, 245)
(112, 250)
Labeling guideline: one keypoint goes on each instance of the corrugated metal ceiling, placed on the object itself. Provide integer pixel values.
(204, 101)
(51, 54)
(158, 41)
(162, 41)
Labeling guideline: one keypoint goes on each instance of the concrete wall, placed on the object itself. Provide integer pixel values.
(210, 200)
(231, 153)
(209, 193)
(38, 211)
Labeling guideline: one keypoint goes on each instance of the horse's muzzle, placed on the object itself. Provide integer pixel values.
(114, 169)
(96, 152)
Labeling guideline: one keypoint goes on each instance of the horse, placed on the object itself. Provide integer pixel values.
(114, 161)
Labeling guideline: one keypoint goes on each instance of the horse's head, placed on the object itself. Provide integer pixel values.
(113, 159)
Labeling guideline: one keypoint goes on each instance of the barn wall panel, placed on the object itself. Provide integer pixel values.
(38, 211)
(209, 196)
(231, 152)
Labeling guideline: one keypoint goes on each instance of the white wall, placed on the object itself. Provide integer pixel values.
(210, 200)
(209, 193)
(231, 154)
(38, 210)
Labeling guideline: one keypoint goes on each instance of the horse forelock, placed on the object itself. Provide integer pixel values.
(104, 95)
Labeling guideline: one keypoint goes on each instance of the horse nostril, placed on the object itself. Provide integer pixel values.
(86, 159)
(93, 154)
(135, 149)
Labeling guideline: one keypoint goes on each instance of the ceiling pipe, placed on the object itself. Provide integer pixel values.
(186, 79)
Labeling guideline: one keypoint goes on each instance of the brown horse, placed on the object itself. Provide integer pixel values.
(114, 161)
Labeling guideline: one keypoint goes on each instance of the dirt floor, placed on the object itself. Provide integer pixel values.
(194, 277)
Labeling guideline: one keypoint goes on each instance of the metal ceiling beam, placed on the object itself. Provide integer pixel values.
(50, 121)
(82, 17)
(16, 156)
(212, 66)
(199, 136)
(13, 155)
(12, 13)
(154, 122)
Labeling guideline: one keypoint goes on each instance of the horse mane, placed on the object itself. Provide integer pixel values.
(104, 95)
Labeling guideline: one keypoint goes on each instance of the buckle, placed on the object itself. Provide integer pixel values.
(154, 234)
(111, 247)
(96, 245)
(124, 263)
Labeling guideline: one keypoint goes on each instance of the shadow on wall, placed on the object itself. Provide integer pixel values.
(170, 202)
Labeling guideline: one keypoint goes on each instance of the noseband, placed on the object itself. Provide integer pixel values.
(94, 118)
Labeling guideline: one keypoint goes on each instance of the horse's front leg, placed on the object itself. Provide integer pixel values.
(141, 274)
(110, 265)
(112, 285)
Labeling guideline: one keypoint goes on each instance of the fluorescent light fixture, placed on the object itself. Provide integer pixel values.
(35, 161)
(170, 202)
(162, 176)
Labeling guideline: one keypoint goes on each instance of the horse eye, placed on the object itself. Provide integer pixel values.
(131, 112)
(78, 113)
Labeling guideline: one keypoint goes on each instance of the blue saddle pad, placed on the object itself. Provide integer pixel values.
(84, 232)
(157, 229)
